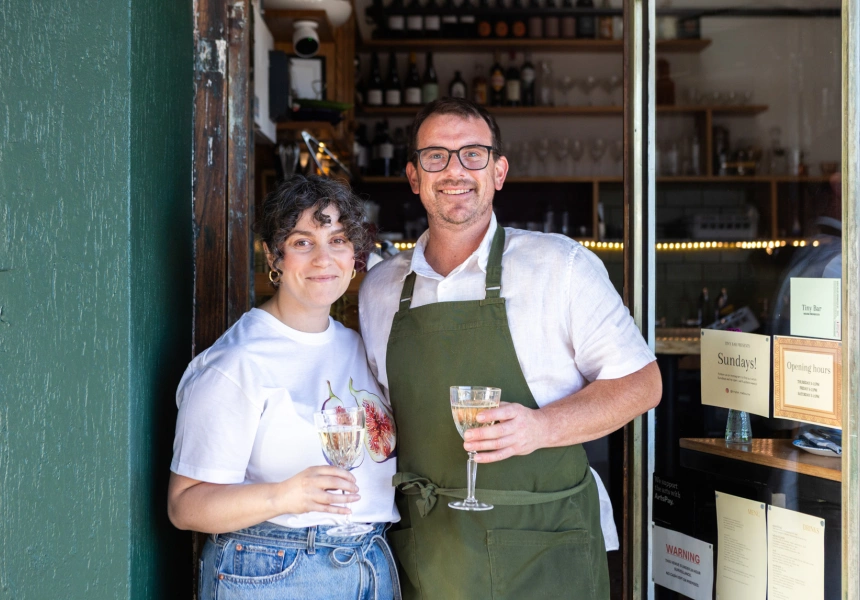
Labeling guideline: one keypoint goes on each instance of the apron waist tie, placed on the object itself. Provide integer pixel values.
(411, 484)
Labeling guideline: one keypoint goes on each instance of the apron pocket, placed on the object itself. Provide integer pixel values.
(402, 542)
(529, 564)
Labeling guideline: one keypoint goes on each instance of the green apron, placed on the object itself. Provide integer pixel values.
(543, 538)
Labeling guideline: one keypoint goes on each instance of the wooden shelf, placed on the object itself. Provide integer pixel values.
(508, 44)
(774, 453)
(559, 111)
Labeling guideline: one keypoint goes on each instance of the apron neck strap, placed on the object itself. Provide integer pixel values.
(493, 284)
(494, 264)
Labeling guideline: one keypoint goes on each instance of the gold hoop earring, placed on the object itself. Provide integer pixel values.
(354, 273)
(275, 277)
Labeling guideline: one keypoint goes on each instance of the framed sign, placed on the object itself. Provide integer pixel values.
(807, 380)
(307, 77)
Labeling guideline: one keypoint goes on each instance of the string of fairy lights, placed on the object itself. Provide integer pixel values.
(767, 245)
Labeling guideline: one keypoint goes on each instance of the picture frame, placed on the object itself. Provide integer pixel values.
(308, 77)
(802, 389)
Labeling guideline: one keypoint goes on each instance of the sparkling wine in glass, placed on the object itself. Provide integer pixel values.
(467, 402)
(342, 432)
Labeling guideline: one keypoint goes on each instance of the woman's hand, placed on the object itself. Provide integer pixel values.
(310, 491)
(219, 508)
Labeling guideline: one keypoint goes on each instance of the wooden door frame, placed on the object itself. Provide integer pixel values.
(221, 171)
(223, 138)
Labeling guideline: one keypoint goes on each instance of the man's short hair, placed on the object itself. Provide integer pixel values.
(461, 108)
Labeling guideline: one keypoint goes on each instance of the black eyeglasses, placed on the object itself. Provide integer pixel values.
(435, 159)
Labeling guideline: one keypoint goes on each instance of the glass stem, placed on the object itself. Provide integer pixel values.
(348, 519)
(471, 475)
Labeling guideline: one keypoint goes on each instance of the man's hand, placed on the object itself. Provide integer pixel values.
(518, 431)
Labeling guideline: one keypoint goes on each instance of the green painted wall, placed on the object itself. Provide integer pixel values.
(95, 290)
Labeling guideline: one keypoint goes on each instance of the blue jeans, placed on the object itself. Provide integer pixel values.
(270, 562)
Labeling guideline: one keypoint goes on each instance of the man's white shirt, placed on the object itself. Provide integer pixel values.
(568, 324)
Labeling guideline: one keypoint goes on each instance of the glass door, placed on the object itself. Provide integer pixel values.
(740, 224)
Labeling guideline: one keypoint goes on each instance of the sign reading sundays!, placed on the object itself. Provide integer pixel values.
(736, 371)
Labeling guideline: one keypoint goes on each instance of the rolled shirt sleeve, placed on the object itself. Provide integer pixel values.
(606, 342)
(215, 429)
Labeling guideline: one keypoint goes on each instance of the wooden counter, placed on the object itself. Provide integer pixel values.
(775, 453)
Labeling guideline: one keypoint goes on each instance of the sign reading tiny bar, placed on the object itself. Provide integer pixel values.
(807, 380)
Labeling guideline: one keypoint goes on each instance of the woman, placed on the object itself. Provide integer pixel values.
(247, 465)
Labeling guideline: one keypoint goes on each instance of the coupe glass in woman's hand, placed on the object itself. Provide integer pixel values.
(342, 432)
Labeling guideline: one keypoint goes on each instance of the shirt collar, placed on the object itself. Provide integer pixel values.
(420, 266)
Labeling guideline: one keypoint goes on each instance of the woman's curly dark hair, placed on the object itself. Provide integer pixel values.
(284, 207)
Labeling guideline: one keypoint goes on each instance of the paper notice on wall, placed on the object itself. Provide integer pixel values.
(816, 308)
(736, 371)
(682, 563)
(795, 555)
(741, 548)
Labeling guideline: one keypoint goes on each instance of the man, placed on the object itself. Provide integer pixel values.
(533, 314)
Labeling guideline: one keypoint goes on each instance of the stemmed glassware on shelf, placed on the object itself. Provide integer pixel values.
(561, 151)
(609, 85)
(565, 85)
(616, 152)
(577, 150)
(513, 151)
(542, 148)
(525, 159)
(545, 84)
(588, 86)
(466, 403)
(597, 148)
(341, 432)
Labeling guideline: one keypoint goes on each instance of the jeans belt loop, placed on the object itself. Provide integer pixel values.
(312, 535)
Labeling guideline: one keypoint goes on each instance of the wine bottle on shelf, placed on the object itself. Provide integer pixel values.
(457, 89)
(501, 25)
(359, 85)
(468, 22)
(393, 94)
(480, 93)
(535, 22)
(415, 20)
(376, 166)
(450, 21)
(551, 20)
(412, 88)
(605, 23)
(513, 88)
(568, 22)
(484, 27)
(586, 27)
(497, 83)
(375, 94)
(386, 151)
(361, 150)
(518, 22)
(398, 161)
(432, 20)
(430, 87)
(396, 22)
(527, 81)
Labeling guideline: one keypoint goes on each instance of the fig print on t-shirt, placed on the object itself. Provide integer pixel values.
(381, 436)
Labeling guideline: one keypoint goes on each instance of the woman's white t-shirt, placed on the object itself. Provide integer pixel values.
(246, 410)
